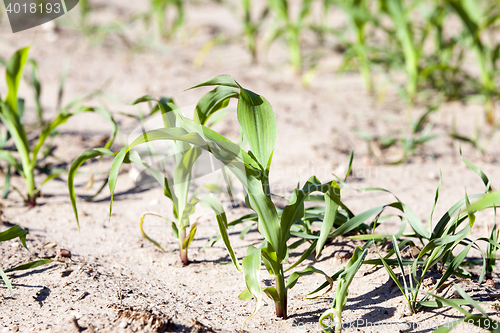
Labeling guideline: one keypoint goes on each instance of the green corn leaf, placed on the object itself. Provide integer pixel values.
(332, 200)
(470, 214)
(190, 236)
(348, 275)
(6, 280)
(452, 267)
(11, 160)
(440, 304)
(356, 221)
(143, 99)
(272, 293)
(470, 300)
(213, 101)
(255, 115)
(480, 173)
(400, 264)
(251, 268)
(145, 235)
(6, 185)
(257, 119)
(440, 227)
(245, 295)
(220, 80)
(349, 165)
(182, 181)
(113, 174)
(210, 201)
(413, 220)
(62, 118)
(29, 265)
(436, 197)
(175, 230)
(293, 279)
(337, 274)
(37, 88)
(304, 256)
(13, 76)
(85, 156)
(392, 262)
(189, 209)
(489, 200)
(14, 232)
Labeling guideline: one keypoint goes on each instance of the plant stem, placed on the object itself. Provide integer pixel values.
(294, 49)
(31, 187)
(183, 251)
(490, 106)
(282, 293)
(338, 321)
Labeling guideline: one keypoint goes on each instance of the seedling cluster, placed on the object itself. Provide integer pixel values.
(283, 229)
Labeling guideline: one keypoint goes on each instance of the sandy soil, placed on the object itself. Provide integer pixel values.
(119, 282)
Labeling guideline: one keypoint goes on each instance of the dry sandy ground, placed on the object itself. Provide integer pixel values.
(119, 282)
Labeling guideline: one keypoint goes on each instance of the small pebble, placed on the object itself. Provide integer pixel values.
(65, 253)
(490, 283)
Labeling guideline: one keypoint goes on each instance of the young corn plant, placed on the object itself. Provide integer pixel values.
(492, 241)
(290, 28)
(252, 27)
(18, 232)
(404, 32)
(448, 236)
(359, 16)
(340, 300)
(409, 38)
(177, 186)
(419, 134)
(476, 19)
(158, 11)
(251, 168)
(11, 112)
(186, 158)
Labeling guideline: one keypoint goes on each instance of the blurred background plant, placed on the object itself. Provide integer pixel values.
(420, 47)
(15, 140)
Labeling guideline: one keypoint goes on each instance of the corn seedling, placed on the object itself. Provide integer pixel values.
(479, 140)
(251, 27)
(158, 11)
(446, 238)
(85, 10)
(340, 300)
(18, 232)
(419, 133)
(186, 156)
(359, 16)
(476, 19)
(177, 187)
(492, 241)
(290, 28)
(251, 168)
(443, 69)
(404, 32)
(11, 110)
